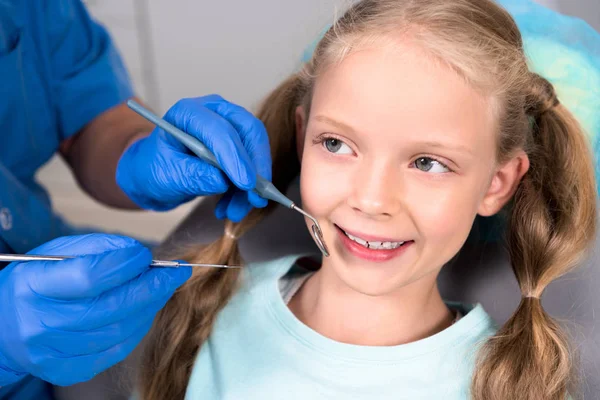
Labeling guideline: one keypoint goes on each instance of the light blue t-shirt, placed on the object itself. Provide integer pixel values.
(260, 350)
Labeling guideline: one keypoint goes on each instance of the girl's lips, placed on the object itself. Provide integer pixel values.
(360, 251)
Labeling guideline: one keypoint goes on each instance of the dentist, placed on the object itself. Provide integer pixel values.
(63, 89)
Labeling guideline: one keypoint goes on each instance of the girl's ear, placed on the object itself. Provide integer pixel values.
(504, 184)
(300, 130)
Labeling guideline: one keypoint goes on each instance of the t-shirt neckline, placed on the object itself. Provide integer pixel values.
(473, 322)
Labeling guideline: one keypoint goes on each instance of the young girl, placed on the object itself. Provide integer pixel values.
(412, 118)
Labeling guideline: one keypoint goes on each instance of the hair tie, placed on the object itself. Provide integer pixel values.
(541, 97)
(531, 296)
(228, 233)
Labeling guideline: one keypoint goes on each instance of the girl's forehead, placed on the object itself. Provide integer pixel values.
(399, 72)
(404, 89)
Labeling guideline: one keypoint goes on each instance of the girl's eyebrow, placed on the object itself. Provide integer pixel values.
(449, 146)
(337, 124)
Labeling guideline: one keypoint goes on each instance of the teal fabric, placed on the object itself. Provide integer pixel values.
(258, 349)
(566, 51)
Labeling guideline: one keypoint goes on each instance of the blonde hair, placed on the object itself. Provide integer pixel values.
(551, 219)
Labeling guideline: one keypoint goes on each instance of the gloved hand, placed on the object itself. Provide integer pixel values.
(159, 173)
(66, 321)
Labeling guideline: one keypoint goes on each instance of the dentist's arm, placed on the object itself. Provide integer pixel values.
(94, 152)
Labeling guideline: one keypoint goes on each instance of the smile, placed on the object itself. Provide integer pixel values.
(372, 248)
(374, 244)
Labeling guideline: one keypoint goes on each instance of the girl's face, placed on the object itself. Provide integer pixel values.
(398, 149)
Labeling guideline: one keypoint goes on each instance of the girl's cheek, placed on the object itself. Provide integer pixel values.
(322, 184)
(446, 215)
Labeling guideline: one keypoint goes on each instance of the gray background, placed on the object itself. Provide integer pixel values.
(242, 49)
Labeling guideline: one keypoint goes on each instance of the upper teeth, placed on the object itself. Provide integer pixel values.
(375, 245)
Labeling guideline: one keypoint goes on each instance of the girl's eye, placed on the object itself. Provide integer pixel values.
(428, 164)
(336, 146)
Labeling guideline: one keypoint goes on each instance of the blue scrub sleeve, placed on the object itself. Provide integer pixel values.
(88, 74)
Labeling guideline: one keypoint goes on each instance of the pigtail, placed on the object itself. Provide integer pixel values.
(552, 222)
(186, 321)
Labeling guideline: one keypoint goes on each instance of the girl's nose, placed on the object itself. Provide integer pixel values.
(376, 190)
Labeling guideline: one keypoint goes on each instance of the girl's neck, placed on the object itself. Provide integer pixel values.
(336, 311)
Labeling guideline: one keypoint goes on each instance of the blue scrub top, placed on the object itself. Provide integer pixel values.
(58, 70)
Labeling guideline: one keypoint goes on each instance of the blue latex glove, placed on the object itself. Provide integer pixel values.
(66, 321)
(159, 173)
